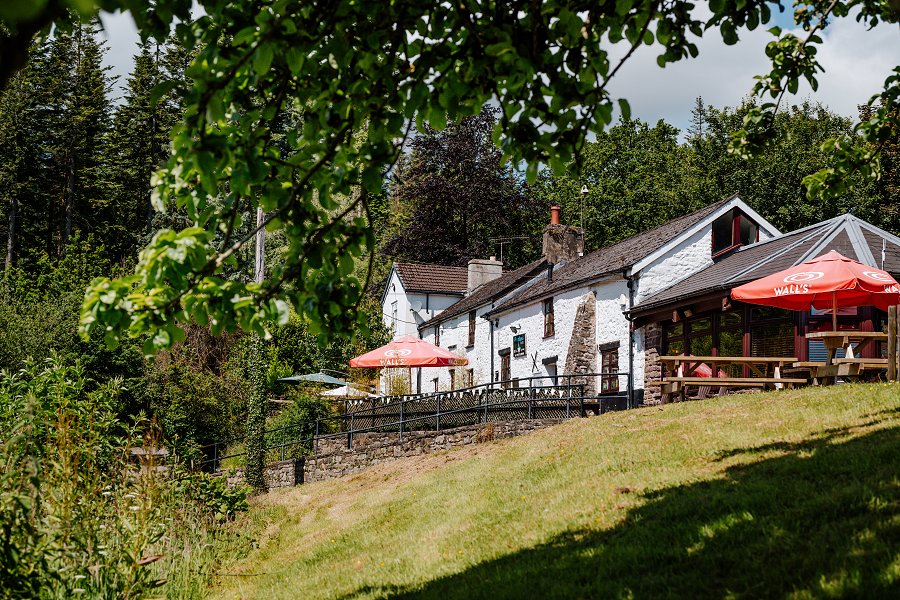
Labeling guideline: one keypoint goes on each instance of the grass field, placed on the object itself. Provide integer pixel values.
(784, 494)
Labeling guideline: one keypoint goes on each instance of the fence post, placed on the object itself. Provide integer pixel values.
(350, 432)
(568, 395)
(892, 343)
(282, 444)
(316, 440)
(437, 418)
(216, 456)
(530, 400)
(401, 420)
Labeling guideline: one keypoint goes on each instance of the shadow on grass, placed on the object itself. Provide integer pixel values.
(822, 521)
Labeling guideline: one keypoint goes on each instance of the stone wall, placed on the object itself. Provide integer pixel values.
(581, 356)
(334, 459)
(284, 473)
(652, 366)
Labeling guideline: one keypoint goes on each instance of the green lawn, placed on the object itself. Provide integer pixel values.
(785, 494)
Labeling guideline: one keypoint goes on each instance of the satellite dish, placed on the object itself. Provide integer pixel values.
(584, 190)
(416, 305)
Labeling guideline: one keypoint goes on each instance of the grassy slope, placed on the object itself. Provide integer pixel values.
(793, 493)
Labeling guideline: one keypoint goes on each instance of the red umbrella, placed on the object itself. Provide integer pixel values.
(409, 351)
(827, 282)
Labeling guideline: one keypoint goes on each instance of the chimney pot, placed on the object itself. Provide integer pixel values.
(481, 272)
(554, 215)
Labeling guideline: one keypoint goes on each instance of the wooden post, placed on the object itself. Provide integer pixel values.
(834, 311)
(892, 343)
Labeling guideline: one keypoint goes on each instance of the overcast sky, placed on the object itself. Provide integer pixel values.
(856, 64)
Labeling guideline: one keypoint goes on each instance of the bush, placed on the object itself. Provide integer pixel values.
(76, 518)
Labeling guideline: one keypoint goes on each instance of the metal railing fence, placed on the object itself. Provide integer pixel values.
(544, 397)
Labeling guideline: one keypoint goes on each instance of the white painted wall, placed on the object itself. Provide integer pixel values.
(688, 257)
(408, 320)
(455, 337)
(612, 326)
(530, 320)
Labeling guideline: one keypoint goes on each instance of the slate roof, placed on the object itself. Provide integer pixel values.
(852, 237)
(490, 291)
(610, 259)
(437, 279)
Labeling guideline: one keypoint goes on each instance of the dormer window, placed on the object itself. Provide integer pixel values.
(733, 230)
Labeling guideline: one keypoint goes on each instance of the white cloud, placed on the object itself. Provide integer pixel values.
(856, 63)
(119, 30)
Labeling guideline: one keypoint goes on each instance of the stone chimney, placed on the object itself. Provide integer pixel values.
(482, 271)
(561, 242)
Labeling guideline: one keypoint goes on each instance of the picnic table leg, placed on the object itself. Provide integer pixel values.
(777, 370)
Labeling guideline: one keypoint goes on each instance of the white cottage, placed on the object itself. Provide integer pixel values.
(415, 293)
(573, 319)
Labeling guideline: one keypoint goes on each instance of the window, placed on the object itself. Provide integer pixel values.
(470, 378)
(609, 363)
(394, 315)
(549, 330)
(713, 333)
(435, 382)
(471, 328)
(452, 373)
(731, 230)
(505, 373)
(437, 335)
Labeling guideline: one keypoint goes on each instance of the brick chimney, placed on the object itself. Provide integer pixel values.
(482, 271)
(561, 242)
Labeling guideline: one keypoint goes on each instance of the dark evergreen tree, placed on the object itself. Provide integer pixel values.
(18, 149)
(698, 121)
(453, 193)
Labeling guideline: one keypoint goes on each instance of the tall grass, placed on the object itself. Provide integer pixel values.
(77, 519)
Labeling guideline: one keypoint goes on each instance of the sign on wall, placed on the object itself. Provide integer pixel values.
(519, 345)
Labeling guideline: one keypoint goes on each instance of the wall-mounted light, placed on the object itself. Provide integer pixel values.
(514, 328)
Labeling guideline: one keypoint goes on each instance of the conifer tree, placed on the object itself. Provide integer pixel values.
(139, 143)
(17, 155)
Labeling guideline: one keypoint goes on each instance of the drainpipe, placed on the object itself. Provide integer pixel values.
(630, 281)
(491, 374)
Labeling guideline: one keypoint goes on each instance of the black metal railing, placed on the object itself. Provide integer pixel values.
(559, 397)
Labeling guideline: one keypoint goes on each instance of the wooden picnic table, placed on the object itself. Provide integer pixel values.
(835, 340)
(767, 371)
(851, 365)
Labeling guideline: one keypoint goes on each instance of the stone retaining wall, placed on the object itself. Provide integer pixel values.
(334, 459)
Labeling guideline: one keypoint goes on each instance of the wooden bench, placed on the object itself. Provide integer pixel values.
(677, 385)
(767, 368)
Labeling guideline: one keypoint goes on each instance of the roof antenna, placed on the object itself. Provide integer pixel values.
(584, 193)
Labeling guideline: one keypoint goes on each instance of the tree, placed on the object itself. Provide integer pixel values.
(453, 193)
(139, 144)
(546, 64)
(698, 120)
(772, 181)
(633, 173)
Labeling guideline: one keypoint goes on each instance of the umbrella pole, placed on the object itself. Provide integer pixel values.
(834, 311)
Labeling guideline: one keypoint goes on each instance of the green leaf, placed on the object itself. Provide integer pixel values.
(263, 59)
(625, 109)
(161, 89)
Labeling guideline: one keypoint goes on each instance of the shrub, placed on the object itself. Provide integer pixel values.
(75, 517)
